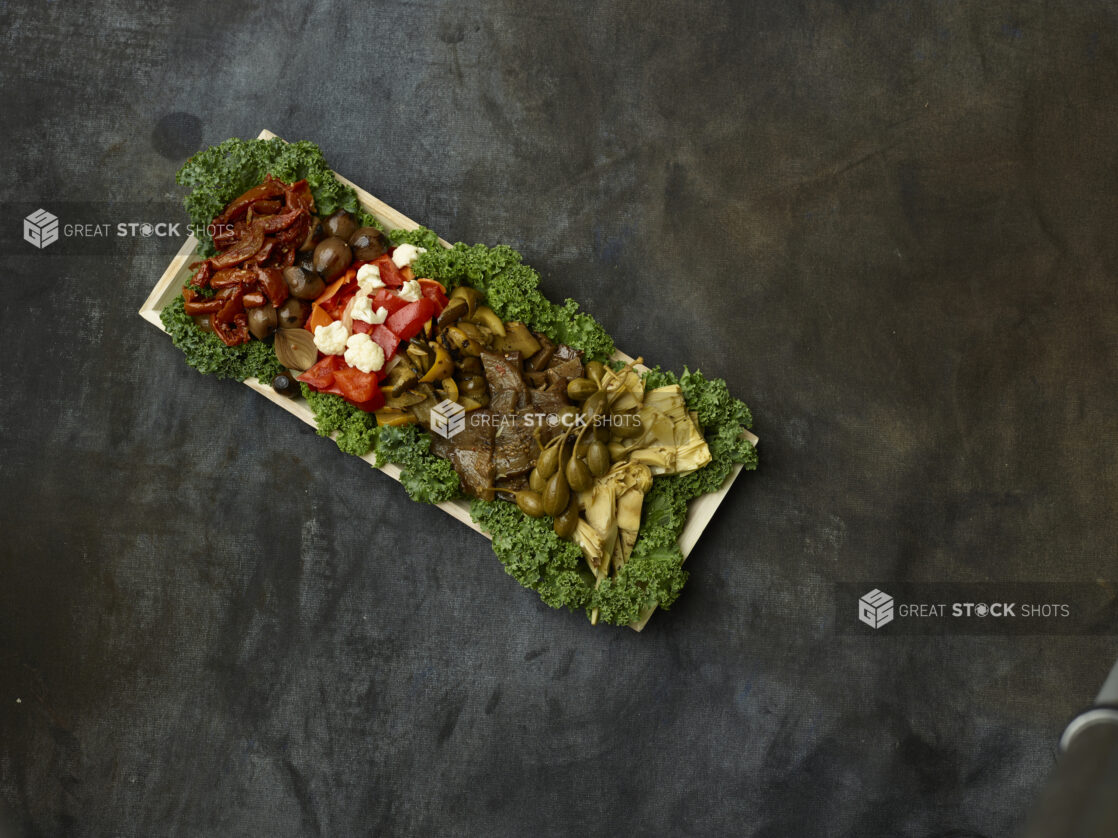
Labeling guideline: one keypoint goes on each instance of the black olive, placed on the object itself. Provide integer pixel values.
(304, 285)
(368, 243)
(293, 314)
(331, 258)
(340, 224)
(262, 321)
(285, 385)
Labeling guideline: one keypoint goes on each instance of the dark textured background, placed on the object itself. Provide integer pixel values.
(889, 226)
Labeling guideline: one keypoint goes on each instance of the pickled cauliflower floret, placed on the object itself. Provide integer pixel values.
(361, 352)
(368, 279)
(331, 339)
(405, 254)
(411, 291)
(363, 310)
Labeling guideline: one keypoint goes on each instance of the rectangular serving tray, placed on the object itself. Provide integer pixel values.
(699, 512)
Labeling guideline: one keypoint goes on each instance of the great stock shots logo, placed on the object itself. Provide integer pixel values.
(875, 609)
(40, 228)
(448, 419)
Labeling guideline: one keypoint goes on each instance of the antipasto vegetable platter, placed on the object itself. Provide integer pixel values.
(449, 369)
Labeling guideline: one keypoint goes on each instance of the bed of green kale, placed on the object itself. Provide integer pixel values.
(528, 548)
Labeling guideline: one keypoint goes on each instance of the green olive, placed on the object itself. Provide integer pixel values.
(597, 458)
(566, 523)
(579, 477)
(595, 371)
(557, 494)
(548, 462)
(580, 389)
(536, 481)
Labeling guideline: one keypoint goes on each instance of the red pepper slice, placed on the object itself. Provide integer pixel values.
(389, 300)
(434, 292)
(408, 321)
(357, 387)
(385, 339)
(389, 274)
(321, 375)
(335, 305)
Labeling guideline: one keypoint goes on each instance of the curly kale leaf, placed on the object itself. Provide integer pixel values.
(534, 555)
(206, 353)
(356, 430)
(655, 577)
(426, 477)
(420, 237)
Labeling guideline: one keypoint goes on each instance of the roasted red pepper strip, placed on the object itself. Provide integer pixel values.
(194, 305)
(243, 250)
(231, 323)
(271, 282)
(434, 292)
(335, 306)
(270, 188)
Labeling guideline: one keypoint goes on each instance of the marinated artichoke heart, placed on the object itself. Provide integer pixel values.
(670, 441)
(612, 509)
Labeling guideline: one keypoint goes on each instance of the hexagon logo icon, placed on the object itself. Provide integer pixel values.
(875, 609)
(40, 228)
(448, 419)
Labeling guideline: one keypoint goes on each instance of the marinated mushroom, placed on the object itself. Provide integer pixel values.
(400, 379)
(368, 243)
(341, 224)
(331, 257)
(262, 322)
(304, 285)
(315, 234)
(292, 314)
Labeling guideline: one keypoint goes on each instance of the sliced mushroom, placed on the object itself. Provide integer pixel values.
(517, 338)
(400, 379)
(485, 316)
(406, 399)
(471, 295)
(455, 310)
(420, 355)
